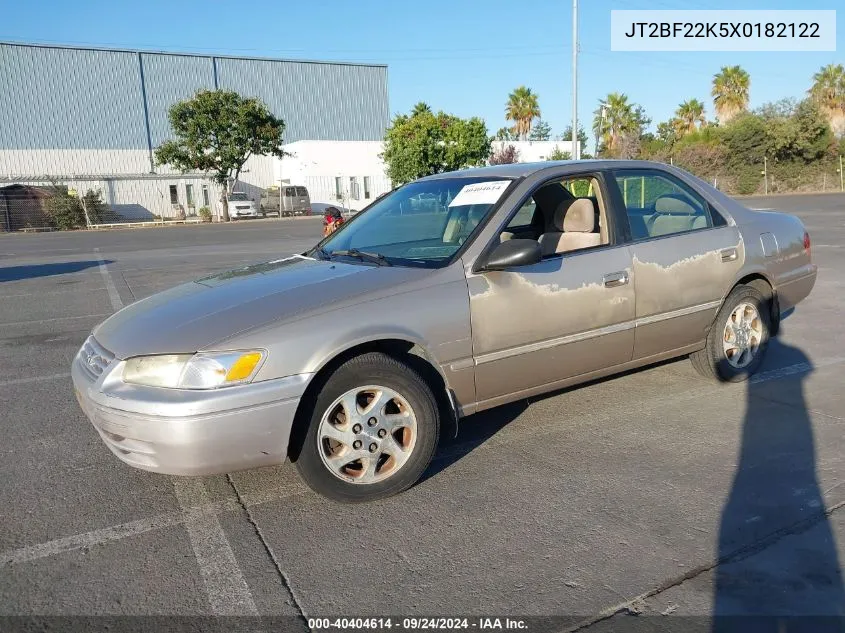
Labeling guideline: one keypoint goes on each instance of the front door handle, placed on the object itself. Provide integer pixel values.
(611, 280)
(728, 254)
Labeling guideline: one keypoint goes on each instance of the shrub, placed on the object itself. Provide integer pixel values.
(205, 214)
(65, 210)
(559, 154)
(505, 156)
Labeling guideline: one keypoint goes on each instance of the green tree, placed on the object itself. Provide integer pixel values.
(805, 136)
(619, 123)
(421, 108)
(828, 92)
(522, 108)
(505, 134)
(541, 131)
(730, 92)
(690, 116)
(216, 133)
(567, 136)
(428, 143)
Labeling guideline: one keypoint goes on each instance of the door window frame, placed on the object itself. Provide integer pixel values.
(621, 210)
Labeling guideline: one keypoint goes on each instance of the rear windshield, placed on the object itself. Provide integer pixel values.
(301, 192)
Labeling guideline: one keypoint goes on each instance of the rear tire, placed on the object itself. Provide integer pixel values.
(372, 431)
(738, 339)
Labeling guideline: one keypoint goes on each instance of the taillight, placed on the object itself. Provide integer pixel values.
(806, 241)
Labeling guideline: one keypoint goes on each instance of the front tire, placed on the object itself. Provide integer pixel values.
(372, 431)
(739, 338)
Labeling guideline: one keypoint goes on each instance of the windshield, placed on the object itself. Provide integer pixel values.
(421, 224)
(238, 197)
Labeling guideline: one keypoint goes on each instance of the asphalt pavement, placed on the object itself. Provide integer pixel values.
(651, 493)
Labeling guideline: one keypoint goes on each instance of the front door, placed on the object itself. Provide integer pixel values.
(570, 314)
(685, 256)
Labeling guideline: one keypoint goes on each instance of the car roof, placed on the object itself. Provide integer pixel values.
(519, 170)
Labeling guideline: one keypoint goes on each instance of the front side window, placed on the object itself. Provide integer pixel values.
(421, 224)
(658, 204)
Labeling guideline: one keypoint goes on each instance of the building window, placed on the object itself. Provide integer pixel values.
(174, 194)
(338, 188)
(205, 201)
(366, 187)
(353, 188)
(189, 195)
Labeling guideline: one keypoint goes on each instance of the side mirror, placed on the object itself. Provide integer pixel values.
(513, 253)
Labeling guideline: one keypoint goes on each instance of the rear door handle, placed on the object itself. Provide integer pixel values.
(612, 280)
(728, 254)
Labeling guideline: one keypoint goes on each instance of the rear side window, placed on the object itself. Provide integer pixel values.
(658, 204)
(290, 192)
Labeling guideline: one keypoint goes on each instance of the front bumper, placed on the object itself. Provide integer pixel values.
(189, 432)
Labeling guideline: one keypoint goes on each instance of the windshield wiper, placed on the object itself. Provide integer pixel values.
(376, 258)
(322, 253)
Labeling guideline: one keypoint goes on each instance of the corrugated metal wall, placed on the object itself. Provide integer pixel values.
(66, 98)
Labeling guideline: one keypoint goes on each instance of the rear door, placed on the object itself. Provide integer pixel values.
(685, 257)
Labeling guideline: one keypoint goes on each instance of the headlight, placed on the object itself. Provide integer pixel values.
(198, 371)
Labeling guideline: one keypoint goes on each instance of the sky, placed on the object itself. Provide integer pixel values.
(461, 56)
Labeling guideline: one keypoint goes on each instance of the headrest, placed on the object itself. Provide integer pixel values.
(674, 205)
(560, 214)
(580, 218)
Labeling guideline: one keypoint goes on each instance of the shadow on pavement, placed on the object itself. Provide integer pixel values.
(778, 556)
(17, 273)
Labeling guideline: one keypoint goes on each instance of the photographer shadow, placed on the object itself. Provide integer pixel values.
(779, 569)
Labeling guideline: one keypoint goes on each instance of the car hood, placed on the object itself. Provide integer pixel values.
(196, 315)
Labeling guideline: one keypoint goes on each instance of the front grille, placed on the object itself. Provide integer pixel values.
(246, 207)
(94, 358)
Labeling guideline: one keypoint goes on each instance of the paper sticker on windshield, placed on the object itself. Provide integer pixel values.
(480, 193)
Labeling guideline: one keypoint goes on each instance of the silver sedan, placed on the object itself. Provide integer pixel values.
(450, 295)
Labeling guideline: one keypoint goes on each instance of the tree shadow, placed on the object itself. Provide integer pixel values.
(17, 273)
(779, 569)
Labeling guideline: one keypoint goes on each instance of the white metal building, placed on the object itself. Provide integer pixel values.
(92, 118)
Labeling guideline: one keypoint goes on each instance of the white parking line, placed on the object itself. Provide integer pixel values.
(53, 320)
(105, 535)
(114, 297)
(225, 586)
(23, 381)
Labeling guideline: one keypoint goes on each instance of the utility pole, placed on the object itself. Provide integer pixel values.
(576, 150)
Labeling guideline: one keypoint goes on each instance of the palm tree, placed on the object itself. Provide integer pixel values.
(730, 92)
(828, 92)
(421, 108)
(689, 115)
(614, 116)
(522, 108)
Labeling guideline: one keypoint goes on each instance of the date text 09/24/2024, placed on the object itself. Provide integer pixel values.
(416, 623)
